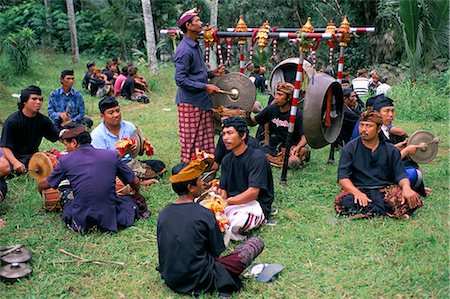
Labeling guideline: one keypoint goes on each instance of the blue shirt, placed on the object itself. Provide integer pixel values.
(191, 75)
(102, 138)
(59, 100)
(92, 175)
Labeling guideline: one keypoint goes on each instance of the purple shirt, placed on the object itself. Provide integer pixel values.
(92, 174)
(191, 75)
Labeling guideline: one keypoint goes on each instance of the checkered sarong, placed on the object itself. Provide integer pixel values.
(196, 130)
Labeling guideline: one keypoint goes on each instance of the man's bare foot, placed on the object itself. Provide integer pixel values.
(427, 191)
(2, 222)
(149, 182)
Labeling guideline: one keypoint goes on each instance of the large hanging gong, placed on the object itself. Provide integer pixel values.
(286, 71)
(323, 111)
(238, 90)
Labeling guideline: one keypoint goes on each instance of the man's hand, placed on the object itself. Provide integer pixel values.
(401, 145)
(212, 89)
(219, 71)
(19, 167)
(410, 196)
(130, 148)
(361, 199)
(412, 148)
(64, 115)
(295, 150)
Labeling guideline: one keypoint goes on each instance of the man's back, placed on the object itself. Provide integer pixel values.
(188, 241)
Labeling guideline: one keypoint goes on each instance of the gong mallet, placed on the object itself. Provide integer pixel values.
(234, 93)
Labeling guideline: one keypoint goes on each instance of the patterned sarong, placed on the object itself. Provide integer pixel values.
(243, 218)
(196, 130)
(294, 161)
(392, 201)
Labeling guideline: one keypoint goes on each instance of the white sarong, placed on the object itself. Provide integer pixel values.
(243, 218)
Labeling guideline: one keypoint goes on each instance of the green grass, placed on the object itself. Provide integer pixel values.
(324, 256)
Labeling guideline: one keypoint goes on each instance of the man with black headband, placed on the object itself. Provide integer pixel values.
(112, 129)
(190, 241)
(23, 130)
(373, 180)
(195, 118)
(92, 174)
(397, 136)
(66, 105)
(246, 181)
(277, 118)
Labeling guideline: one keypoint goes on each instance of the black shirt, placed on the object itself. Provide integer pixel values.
(367, 169)
(221, 150)
(127, 88)
(279, 123)
(250, 169)
(23, 135)
(188, 241)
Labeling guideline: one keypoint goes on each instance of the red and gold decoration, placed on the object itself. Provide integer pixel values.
(263, 36)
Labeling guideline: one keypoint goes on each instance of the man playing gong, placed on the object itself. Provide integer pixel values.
(195, 118)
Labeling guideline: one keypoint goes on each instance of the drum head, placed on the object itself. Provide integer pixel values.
(286, 71)
(430, 150)
(240, 84)
(40, 166)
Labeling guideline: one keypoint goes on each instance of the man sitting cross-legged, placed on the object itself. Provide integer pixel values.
(23, 130)
(246, 181)
(277, 117)
(372, 176)
(190, 241)
(92, 173)
(113, 129)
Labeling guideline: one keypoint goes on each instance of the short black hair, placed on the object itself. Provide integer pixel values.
(183, 27)
(26, 93)
(90, 64)
(125, 71)
(66, 73)
(82, 138)
(181, 188)
(238, 123)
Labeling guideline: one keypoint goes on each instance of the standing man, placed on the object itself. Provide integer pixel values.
(66, 105)
(195, 118)
(23, 130)
(92, 174)
(246, 181)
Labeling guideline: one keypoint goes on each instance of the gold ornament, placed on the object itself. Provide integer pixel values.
(208, 37)
(307, 28)
(344, 29)
(263, 36)
(331, 28)
(241, 27)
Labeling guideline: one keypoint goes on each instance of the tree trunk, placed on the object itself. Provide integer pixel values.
(213, 21)
(150, 37)
(73, 31)
(48, 24)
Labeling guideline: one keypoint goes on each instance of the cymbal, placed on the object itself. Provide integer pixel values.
(430, 146)
(20, 255)
(12, 272)
(40, 166)
(137, 135)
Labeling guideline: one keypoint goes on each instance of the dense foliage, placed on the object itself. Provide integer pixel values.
(115, 27)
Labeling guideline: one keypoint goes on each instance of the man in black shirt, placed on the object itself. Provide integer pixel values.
(276, 116)
(246, 181)
(372, 176)
(190, 241)
(23, 130)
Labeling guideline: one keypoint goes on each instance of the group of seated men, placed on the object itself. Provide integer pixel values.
(371, 172)
(115, 81)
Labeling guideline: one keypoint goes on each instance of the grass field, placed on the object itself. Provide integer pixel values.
(324, 256)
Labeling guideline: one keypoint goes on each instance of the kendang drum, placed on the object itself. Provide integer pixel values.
(52, 199)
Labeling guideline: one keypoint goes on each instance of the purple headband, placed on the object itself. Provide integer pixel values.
(186, 16)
